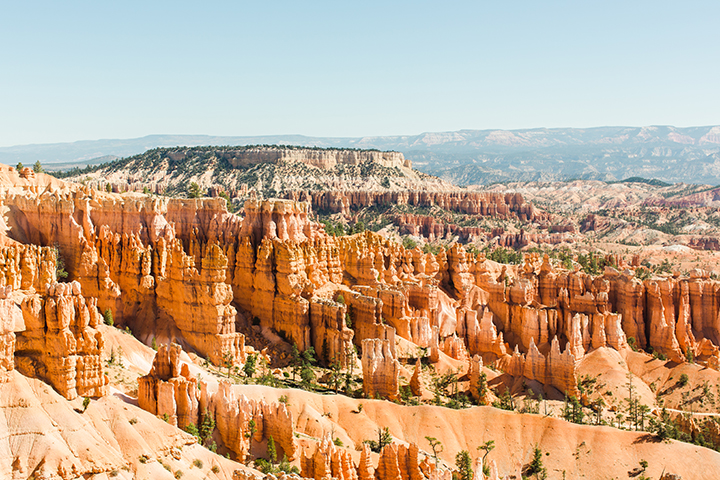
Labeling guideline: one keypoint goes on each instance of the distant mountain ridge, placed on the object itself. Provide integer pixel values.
(671, 154)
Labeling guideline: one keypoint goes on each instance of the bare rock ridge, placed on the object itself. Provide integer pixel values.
(266, 170)
(601, 152)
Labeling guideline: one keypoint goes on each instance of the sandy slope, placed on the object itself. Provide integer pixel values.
(41, 433)
(582, 451)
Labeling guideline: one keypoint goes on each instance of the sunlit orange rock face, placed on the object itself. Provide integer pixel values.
(186, 270)
(380, 369)
(168, 390)
(171, 392)
(59, 342)
(396, 462)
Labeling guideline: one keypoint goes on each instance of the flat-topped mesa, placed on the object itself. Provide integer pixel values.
(320, 158)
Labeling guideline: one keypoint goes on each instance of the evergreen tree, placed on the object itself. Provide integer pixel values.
(193, 190)
(272, 453)
(482, 388)
(193, 430)
(207, 427)
(487, 447)
(463, 462)
(249, 367)
(535, 467)
(437, 447)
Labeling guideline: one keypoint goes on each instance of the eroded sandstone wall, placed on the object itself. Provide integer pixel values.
(60, 343)
(511, 205)
(187, 270)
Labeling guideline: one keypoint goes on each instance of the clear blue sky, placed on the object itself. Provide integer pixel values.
(88, 70)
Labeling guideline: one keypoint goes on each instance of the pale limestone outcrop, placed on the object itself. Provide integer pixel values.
(381, 371)
(169, 390)
(60, 343)
(325, 158)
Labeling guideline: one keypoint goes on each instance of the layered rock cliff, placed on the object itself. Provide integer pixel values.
(181, 270)
(455, 200)
(169, 391)
(321, 158)
(59, 342)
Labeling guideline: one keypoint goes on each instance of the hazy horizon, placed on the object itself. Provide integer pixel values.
(310, 136)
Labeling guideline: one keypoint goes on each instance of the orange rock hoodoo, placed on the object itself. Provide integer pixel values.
(190, 272)
(170, 391)
(233, 415)
(329, 461)
(396, 462)
(59, 342)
